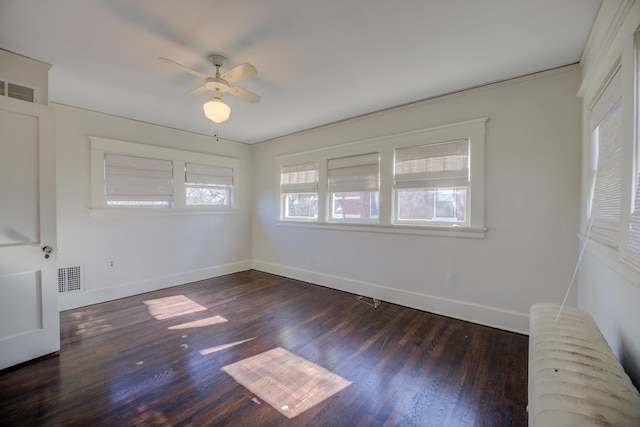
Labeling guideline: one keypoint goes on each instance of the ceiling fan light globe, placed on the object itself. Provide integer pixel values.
(216, 110)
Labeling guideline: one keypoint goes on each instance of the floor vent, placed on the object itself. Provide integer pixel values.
(69, 279)
(18, 91)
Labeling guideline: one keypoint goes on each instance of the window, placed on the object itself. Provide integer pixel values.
(431, 183)
(353, 184)
(631, 253)
(128, 177)
(299, 189)
(137, 181)
(208, 185)
(606, 124)
(612, 213)
(417, 182)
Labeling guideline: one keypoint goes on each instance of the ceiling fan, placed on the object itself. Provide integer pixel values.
(216, 110)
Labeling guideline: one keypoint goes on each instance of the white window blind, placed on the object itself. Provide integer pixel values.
(208, 185)
(300, 178)
(133, 180)
(606, 122)
(435, 165)
(207, 175)
(354, 173)
(631, 253)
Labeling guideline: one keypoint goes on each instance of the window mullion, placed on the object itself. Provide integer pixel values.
(323, 194)
(179, 187)
(386, 202)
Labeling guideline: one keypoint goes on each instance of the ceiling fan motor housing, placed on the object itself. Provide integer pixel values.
(216, 83)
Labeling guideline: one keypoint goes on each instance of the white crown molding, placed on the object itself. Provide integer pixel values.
(615, 24)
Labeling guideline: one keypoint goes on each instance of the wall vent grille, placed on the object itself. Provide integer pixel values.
(18, 91)
(69, 279)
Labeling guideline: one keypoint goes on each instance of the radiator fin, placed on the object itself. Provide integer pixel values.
(574, 377)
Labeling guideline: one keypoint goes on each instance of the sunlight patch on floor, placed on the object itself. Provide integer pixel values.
(289, 383)
(174, 306)
(148, 416)
(89, 323)
(207, 321)
(217, 348)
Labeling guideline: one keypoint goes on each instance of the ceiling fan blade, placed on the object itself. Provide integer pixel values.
(197, 91)
(187, 69)
(244, 94)
(239, 72)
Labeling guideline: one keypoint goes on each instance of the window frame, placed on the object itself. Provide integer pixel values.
(448, 183)
(619, 257)
(179, 158)
(151, 178)
(299, 188)
(363, 188)
(472, 130)
(437, 220)
(220, 185)
(606, 166)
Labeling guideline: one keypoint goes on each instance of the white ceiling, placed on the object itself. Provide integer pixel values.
(318, 61)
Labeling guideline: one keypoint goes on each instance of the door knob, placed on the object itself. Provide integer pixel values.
(47, 251)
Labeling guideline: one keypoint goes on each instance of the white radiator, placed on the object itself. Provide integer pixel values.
(574, 377)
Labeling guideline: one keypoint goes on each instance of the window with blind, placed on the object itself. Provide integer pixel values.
(431, 183)
(208, 185)
(299, 190)
(127, 177)
(353, 186)
(420, 182)
(631, 251)
(137, 182)
(606, 126)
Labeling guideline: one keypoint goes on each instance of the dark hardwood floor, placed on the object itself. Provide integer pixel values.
(157, 358)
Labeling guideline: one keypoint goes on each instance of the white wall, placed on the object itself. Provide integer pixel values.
(150, 252)
(613, 299)
(609, 289)
(531, 202)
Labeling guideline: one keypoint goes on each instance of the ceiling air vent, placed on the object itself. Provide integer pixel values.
(18, 91)
(69, 279)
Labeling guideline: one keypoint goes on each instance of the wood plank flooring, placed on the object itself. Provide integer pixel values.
(156, 360)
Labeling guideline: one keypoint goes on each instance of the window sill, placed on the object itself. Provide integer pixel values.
(416, 230)
(141, 212)
(611, 257)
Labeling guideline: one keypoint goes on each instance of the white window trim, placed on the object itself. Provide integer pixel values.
(100, 146)
(310, 187)
(432, 222)
(412, 229)
(623, 57)
(473, 130)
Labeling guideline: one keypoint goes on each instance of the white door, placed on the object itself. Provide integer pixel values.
(29, 318)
